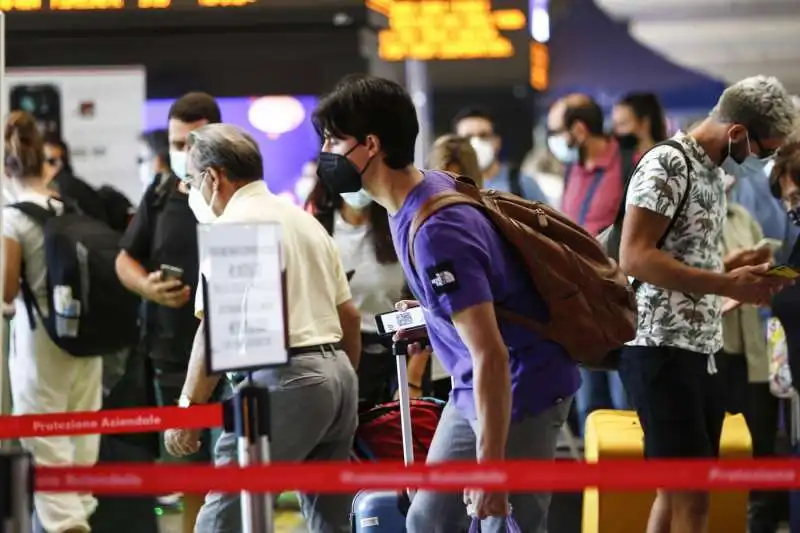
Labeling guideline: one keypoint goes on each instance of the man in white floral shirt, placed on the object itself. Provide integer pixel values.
(669, 369)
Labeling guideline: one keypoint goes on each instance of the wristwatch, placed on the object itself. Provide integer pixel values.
(185, 401)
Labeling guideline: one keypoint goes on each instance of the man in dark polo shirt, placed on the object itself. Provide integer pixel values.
(163, 232)
(593, 186)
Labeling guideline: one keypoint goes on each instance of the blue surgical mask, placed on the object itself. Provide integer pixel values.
(750, 165)
(357, 200)
(564, 152)
(177, 162)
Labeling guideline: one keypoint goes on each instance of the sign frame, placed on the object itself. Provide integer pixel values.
(263, 234)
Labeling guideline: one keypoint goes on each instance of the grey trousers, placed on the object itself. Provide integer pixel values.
(533, 437)
(314, 408)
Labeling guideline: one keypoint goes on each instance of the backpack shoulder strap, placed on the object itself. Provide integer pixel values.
(34, 211)
(433, 204)
(40, 215)
(686, 193)
(627, 157)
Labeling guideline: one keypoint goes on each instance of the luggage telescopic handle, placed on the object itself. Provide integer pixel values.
(400, 350)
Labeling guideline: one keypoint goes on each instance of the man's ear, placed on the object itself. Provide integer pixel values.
(737, 133)
(373, 145)
(216, 178)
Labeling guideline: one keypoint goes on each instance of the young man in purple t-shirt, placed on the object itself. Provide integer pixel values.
(512, 388)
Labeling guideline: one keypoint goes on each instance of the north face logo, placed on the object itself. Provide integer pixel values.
(440, 279)
(443, 278)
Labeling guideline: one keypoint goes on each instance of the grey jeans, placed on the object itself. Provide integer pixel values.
(314, 408)
(533, 437)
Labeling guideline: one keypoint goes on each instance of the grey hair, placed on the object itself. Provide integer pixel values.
(759, 103)
(227, 148)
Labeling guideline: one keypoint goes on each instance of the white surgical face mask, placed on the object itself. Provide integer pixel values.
(564, 152)
(357, 200)
(484, 149)
(202, 210)
(177, 161)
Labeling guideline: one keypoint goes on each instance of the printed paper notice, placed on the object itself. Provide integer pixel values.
(244, 303)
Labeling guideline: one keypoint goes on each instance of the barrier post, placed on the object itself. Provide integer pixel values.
(251, 419)
(16, 492)
(249, 278)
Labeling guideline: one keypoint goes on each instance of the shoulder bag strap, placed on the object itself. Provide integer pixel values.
(429, 208)
(34, 211)
(627, 163)
(681, 206)
(40, 215)
(686, 193)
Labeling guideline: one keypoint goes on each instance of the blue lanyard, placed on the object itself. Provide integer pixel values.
(590, 192)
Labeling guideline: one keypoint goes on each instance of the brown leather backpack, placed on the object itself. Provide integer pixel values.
(592, 307)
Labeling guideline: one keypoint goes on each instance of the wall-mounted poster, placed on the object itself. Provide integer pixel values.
(98, 111)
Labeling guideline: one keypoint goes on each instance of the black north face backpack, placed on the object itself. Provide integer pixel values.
(90, 312)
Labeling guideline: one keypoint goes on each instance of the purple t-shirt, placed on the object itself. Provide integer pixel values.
(461, 261)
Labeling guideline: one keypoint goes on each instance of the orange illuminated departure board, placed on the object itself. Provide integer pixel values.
(445, 29)
(113, 5)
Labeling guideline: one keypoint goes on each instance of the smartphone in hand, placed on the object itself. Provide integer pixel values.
(389, 323)
(169, 273)
(783, 271)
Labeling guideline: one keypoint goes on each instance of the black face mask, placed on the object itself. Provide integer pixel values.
(338, 173)
(629, 141)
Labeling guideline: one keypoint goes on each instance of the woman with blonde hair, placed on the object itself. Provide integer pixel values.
(455, 154)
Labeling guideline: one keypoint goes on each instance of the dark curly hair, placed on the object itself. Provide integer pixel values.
(787, 163)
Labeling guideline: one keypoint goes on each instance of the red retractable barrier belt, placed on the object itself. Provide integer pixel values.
(348, 477)
(120, 478)
(113, 421)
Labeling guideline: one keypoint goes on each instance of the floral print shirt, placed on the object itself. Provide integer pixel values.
(672, 318)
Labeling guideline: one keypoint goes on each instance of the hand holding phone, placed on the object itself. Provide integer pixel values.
(169, 292)
(169, 273)
(757, 284)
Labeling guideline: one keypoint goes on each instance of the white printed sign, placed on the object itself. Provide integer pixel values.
(99, 112)
(244, 296)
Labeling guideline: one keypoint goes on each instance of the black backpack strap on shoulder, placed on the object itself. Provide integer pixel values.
(40, 215)
(628, 163)
(686, 193)
(31, 304)
(35, 212)
(681, 205)
(514, 185)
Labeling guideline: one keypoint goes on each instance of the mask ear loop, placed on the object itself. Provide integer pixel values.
(213, 195)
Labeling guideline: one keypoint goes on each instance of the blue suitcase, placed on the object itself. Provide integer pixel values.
(385, 511)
